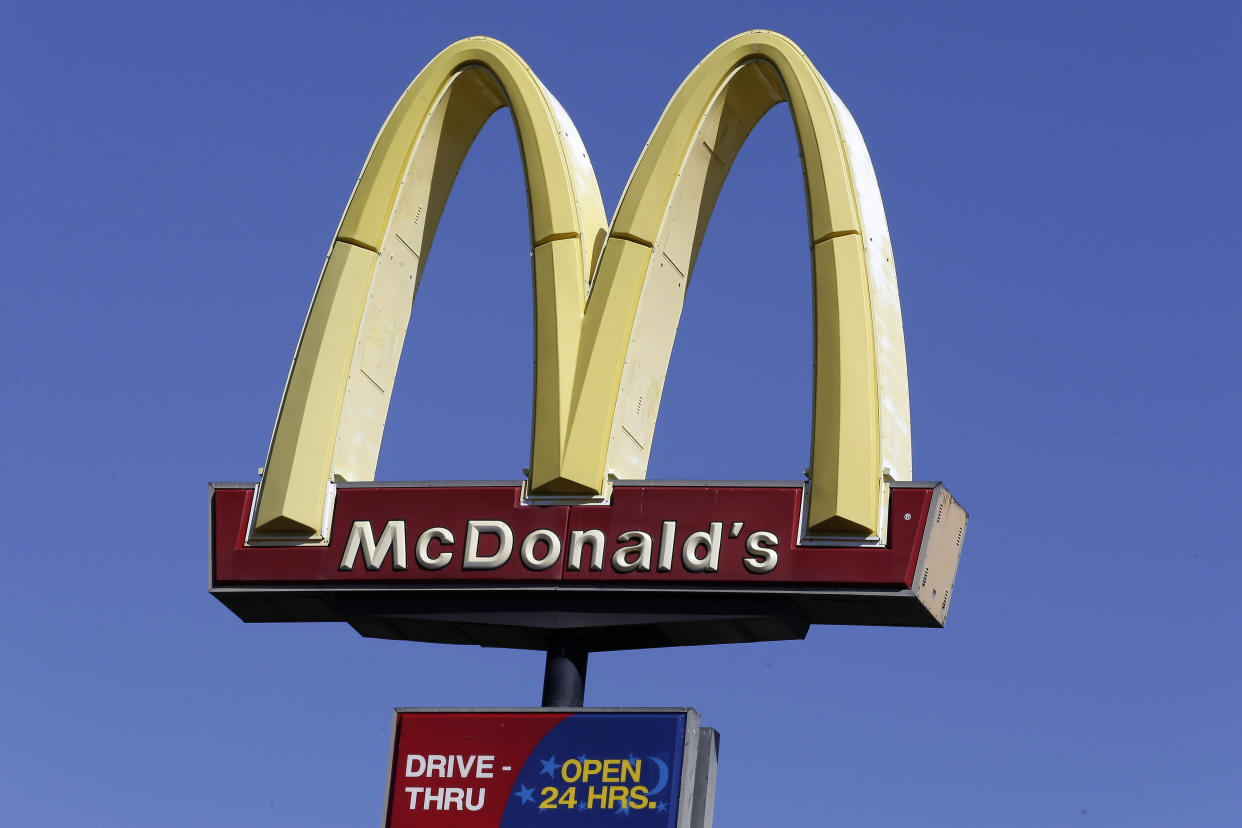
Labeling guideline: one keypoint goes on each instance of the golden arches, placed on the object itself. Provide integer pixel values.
(600, 364)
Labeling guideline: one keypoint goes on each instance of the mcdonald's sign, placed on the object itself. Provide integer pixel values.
(585, 543)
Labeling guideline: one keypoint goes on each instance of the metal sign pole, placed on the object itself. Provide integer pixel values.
(564, 673)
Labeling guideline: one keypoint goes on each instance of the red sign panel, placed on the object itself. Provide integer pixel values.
(392, 549)
(663, 534)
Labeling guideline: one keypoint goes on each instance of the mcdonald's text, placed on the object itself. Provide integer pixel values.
(651, 533)
(489, 545)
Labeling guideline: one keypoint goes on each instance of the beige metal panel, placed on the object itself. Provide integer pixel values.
(888, 333)
(467, 102)
(646, 365)
(590, 204)
(558, 319)
(936, 572)
(846, 484)
(606, 328)
(376, 355)
(297, 469)
(745, 95)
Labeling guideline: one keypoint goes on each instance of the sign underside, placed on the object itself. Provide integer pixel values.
(659, 565)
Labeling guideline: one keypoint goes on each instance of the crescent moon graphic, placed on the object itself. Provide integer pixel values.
(663, 782)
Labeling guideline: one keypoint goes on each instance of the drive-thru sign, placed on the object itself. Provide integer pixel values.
(562, 768)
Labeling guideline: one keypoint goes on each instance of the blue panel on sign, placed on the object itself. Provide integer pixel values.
(602, 769)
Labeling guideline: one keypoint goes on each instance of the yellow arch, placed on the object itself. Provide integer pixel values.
(860, 432)
(601, 362)
(336, 399)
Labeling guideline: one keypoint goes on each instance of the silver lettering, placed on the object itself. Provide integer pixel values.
(764, 560)
(667, 533)
(373, 554)
(642, 563)
(709, 562)
(422, 554)
(473, 560)
(577, 539)
(528, 550)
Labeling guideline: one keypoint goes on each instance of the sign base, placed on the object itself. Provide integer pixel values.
(660, 565)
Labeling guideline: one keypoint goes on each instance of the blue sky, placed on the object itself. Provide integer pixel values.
(1061, 186)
